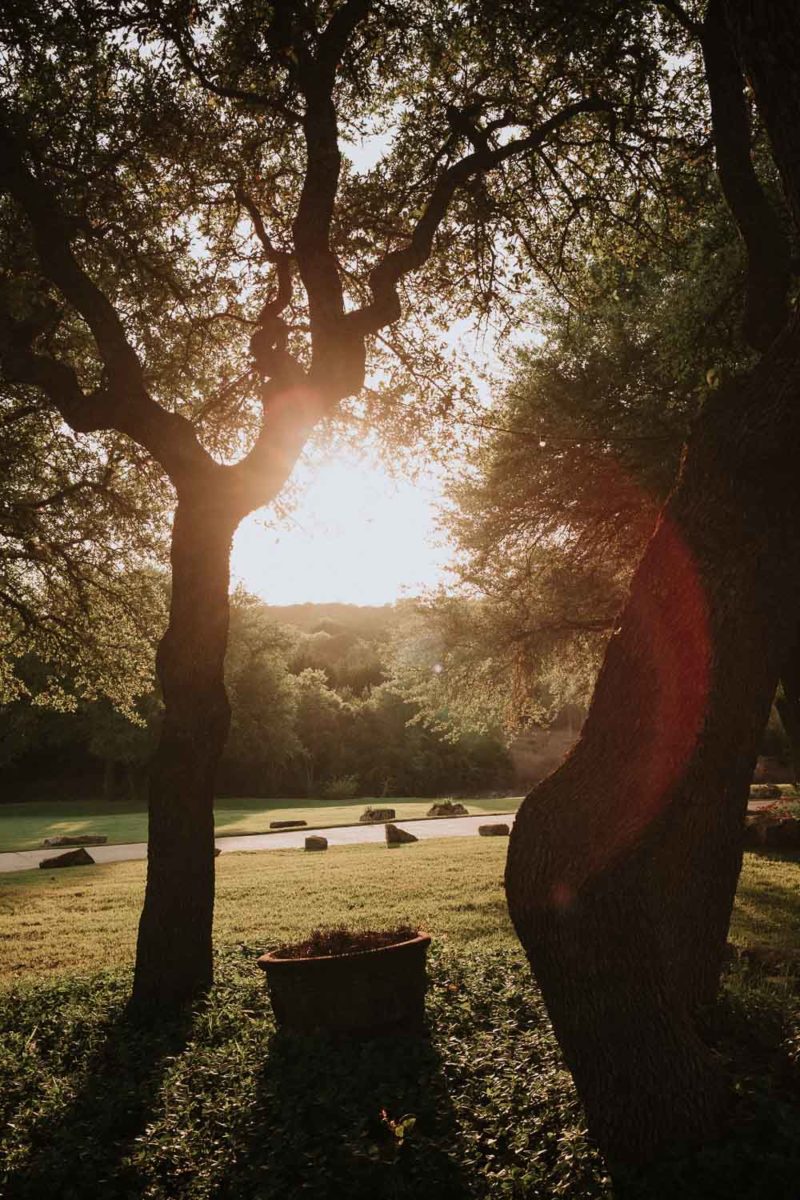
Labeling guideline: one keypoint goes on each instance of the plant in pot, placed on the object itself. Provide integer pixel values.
(356, 983)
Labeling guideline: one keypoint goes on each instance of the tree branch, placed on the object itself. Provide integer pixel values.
(768, 251)
(280, 259)
(269, 340)
(336, 35)
(386, 276)
(123, 403)
(681, 16)
(52, 241)
(337, 349)
(290, 414)
(59, 382)
(263, 100)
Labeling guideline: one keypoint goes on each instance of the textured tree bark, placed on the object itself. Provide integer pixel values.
(766, 307)
(174, 951)
(623, 864)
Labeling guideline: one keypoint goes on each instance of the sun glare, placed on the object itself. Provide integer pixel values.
(356, 535)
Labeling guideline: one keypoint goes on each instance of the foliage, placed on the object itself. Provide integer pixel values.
(169, 144)
(225, 1107)
(263, 735)
(562, 488)
(329, 729)
(343, 787)
(454, 659)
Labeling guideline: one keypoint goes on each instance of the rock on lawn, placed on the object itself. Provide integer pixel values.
(398, 837)
(72, 858)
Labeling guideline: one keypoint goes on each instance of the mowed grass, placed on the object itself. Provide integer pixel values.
(221, 1107)
(24, 826)
(84, 919)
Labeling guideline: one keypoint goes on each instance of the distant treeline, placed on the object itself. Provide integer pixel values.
(317, 710)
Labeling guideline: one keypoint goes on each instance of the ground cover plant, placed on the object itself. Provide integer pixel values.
(94, 1105)
(24, 826)
(223, 1106)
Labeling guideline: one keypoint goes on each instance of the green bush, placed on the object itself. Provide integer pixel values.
(343, 787)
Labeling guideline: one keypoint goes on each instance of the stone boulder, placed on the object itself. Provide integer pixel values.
(83, 839)
(376, 815)
(287, 824)
(398, 837)
(316, 843)
(765, 791)
(447, 808)
(72, 858)
(499, 830)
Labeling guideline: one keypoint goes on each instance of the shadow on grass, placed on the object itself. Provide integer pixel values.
(351, 1119)
(83, 1149)
(756, 1032)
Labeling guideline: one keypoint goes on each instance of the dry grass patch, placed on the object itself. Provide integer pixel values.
(85, 918)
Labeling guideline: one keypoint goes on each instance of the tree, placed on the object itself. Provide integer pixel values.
(623, 864)
(320, 725)
(81, 533)
(146, 139)
(263, 737)
(554, 505)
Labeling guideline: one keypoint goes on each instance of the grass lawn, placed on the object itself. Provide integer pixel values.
(85, 919)
(222, 1107)
(24, 826)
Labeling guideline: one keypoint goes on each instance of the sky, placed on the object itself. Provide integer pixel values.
(355, 535)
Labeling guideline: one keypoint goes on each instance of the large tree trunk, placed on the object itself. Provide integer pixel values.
(174, 953)
(623, 865)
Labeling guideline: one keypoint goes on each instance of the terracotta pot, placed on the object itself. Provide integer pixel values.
(367, 993)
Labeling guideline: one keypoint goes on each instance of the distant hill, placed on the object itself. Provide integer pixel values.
(368, 621)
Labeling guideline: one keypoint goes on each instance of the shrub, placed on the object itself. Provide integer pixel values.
(343, 787)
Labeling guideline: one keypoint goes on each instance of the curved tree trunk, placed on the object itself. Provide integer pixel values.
(173, 953)
(623, 864)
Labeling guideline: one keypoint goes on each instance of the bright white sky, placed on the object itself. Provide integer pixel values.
(356, 535)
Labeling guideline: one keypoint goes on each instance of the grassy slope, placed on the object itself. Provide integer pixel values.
(24, 826)
(85, 919)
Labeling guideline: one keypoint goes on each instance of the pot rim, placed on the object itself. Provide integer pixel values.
(269, 959)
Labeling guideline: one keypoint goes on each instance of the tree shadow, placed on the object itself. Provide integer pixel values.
(758, 1155)
(84, 1150)
(362, 1119)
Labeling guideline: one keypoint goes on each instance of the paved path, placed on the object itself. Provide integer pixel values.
(292, 839)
